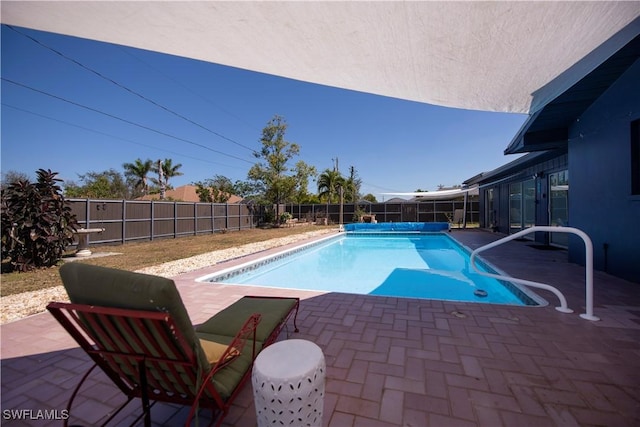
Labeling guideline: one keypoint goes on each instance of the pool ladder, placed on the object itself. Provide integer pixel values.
(563, 301)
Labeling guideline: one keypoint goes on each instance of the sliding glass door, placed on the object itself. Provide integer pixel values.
(522, 205)
(559, 205)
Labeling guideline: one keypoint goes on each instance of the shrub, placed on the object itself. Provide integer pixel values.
(284, 217)
(37, 223)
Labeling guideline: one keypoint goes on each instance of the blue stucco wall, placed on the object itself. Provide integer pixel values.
(600, 200)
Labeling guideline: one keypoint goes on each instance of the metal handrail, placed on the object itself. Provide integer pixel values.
(563, 301)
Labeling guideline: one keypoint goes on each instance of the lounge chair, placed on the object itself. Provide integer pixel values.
(137, 330)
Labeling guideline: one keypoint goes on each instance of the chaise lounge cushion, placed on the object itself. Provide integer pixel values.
(230, 376)
(109, 287)
(273, 311)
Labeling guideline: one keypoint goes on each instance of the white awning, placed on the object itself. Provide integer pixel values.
(438, 195)
(494, 56)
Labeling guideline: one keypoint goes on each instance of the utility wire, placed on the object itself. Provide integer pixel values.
(187, 88)
(129, 90)
(116, 137)
(123, 120)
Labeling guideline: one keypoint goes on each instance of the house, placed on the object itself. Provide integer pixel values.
(582, 168)
(185, 193)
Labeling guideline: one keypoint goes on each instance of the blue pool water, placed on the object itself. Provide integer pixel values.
(416, 265)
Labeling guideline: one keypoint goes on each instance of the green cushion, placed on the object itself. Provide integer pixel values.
(228, 378)
(230, 320)
(109, 287)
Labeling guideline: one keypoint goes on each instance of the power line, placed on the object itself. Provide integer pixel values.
(97, 73)
(123, 120)
(187, 88)
(115, 136)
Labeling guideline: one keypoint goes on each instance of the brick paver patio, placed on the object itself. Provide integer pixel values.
(399, 362)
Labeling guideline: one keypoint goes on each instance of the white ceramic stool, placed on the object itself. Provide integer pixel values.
(288, 384)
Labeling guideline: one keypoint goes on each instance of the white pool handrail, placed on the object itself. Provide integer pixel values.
(563, 301)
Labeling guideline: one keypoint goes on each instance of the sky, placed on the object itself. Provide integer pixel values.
(75, 106)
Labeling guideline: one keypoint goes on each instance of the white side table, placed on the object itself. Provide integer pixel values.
(288, 384)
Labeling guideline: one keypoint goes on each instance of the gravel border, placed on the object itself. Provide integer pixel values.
(19, 306)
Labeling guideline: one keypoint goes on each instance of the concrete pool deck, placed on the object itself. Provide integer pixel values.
(399, 362)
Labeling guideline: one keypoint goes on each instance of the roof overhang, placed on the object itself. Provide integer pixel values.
(514, 167)
(493, 56)
(548, 128)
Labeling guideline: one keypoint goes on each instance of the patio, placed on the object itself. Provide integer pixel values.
(398, 362)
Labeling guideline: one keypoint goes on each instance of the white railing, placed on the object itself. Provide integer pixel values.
(563, 301)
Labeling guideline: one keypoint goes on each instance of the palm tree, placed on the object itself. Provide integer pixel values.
(169, 170)
(138, 171)
(165, 170)
(329, 183)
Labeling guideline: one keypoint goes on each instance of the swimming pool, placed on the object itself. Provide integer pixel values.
(405, 264)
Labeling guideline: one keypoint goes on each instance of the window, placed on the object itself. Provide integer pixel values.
(635, 157)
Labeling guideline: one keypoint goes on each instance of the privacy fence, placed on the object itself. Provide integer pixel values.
(425, 211)
(127, 220)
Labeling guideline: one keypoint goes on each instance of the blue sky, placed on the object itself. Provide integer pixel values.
(394, 145)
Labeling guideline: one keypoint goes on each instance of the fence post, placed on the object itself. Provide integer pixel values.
(87, 213)
(175, 219)
(213, 221)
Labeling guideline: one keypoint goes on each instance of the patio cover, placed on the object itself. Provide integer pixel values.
(492, 56)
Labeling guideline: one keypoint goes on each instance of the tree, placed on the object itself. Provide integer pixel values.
(330, 182)
(352, 186)
(249, 189)
(370, 198)
(165, 171)
(11, 176)
(303, 172)
(108, 184)
(137, 172)
(271, 172)
(37, 223)
(216, 190)
(169, 170)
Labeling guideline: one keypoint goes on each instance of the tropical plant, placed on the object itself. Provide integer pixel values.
(37, 223)
(170, 170)
(284, 217)
(137, 173)
(330, 182)
(165, 171)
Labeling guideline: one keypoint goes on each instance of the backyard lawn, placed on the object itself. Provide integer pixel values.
(134, 256)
